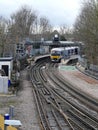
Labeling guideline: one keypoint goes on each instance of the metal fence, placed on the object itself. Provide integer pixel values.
(88, 66)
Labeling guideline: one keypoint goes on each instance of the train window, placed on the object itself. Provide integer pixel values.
(76, 50)
(55, 54)
(62, 53)
(6, 69)
(68, 52)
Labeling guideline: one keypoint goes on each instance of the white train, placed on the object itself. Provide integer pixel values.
(61, 53)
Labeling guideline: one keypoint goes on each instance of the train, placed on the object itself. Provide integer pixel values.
(57, 54)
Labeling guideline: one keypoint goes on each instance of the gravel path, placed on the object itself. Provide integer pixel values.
(24, 105)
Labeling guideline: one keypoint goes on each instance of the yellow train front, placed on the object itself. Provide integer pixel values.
(56, 54)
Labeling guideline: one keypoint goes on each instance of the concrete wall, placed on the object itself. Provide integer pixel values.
(3, 84)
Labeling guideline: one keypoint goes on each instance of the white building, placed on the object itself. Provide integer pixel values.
(6, 66)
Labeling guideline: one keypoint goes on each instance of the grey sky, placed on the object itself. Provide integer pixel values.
(57, 11)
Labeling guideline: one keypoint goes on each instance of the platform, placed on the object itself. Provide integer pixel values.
(80, 80)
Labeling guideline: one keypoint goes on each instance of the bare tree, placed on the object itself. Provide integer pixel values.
(3, 28)
(63, 29)
(26, 22)
(86, 29)
(65, 32)
(45, 27)
(21, 22)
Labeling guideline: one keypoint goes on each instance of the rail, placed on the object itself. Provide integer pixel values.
(56, 101)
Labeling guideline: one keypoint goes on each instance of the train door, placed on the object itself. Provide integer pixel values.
(76, 51)
(6, 69)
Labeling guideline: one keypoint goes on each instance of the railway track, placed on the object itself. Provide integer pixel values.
(57, 107)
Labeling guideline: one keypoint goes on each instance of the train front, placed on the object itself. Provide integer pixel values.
(55, 56)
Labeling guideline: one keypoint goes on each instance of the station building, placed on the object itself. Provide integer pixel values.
(44, 47)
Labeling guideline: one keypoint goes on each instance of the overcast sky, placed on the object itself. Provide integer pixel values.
(59, 12)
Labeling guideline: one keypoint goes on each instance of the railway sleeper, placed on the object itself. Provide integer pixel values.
(84, 122)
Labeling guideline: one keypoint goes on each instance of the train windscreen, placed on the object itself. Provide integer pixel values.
(53, 54)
